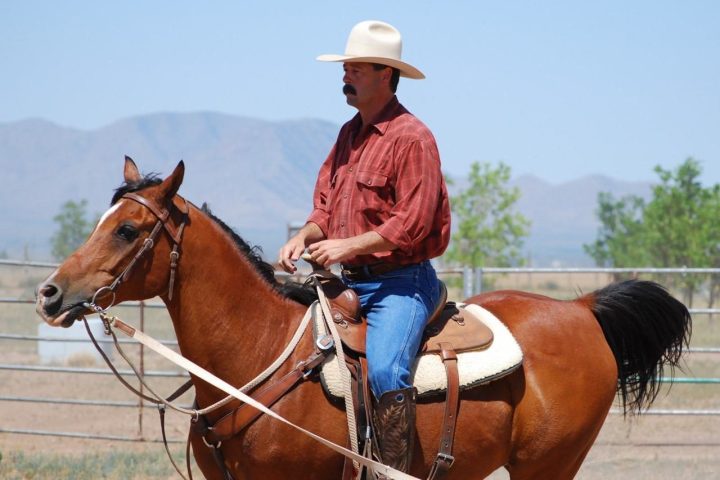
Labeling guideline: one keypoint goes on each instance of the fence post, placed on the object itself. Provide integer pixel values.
(142, 371)
(478, 281)
(467, 282)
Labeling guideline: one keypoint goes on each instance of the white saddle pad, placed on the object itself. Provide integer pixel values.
(474, 368)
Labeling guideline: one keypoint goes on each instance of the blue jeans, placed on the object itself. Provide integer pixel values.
(397, 306)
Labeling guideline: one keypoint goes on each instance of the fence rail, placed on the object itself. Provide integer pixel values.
(472, 283)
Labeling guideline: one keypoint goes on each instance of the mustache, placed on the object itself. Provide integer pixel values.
(349, 89)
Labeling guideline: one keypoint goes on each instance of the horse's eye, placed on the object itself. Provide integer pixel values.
(127, 232)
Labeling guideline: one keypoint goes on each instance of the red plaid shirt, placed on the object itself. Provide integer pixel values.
(387, 178)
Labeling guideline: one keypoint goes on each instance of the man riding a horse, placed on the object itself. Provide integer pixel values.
(381, 210)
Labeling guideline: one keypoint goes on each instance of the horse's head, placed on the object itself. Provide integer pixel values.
(128, 255)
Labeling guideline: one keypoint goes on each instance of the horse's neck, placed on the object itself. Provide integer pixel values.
(227, 318)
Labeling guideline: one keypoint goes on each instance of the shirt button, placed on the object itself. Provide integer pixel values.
(345, 195)
(342, 224)
(350, 169)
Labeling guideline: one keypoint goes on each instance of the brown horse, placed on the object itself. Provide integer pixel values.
(232, 318)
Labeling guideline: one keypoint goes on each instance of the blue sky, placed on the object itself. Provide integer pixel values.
(558, 89)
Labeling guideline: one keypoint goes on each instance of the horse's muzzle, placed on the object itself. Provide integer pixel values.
(50, 306)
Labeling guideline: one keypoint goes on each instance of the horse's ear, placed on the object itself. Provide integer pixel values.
(170, 186)
(132, 175)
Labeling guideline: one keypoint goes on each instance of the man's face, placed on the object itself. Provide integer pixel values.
(362, 83)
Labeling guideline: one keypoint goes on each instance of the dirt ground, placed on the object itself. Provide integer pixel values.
(647, 447)
(652, 448)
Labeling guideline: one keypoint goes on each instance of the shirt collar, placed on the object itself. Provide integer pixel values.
(383, 118)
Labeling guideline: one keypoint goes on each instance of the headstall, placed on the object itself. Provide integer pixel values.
(163, 215)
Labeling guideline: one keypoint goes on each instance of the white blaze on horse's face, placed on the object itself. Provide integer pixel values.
(107, 214)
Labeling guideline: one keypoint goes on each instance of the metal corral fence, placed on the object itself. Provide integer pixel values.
(471, 281)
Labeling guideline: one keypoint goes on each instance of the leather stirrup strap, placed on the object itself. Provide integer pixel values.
(444, 459)
(350, 470)
(367, 394)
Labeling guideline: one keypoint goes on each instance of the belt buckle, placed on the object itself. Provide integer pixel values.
(356, 273)
(448, 459)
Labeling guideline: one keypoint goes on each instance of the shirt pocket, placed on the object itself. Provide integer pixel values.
(367, 179)
(375, 195)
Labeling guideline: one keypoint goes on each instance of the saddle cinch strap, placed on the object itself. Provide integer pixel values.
(449, 330)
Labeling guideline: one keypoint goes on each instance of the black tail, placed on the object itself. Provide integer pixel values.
(646, 329)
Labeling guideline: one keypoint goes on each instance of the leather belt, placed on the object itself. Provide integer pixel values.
(367, 272)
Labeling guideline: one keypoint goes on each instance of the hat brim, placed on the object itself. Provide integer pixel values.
(406, 70)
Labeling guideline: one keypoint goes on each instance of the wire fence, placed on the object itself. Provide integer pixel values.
(473, 281)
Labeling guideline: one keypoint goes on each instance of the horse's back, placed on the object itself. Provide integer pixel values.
(568, 380)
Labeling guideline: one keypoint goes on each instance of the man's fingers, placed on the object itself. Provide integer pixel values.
(287, 265)
(287, 256)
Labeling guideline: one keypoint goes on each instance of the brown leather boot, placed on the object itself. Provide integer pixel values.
(394, 419)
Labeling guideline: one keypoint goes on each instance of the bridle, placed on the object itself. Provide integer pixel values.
(163, 215)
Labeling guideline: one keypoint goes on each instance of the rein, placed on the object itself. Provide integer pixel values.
(324, 345)
(114, 322)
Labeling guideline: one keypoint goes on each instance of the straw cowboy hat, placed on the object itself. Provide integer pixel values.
(373, 41)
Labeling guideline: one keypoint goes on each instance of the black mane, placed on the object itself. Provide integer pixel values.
(289, 289)
(292, 290)
(149, 180)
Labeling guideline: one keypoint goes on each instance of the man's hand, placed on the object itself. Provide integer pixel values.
(291, 251)
(330, 252)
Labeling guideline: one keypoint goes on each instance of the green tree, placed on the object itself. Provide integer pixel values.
(710, 232)
(620, 239)
(674, 221)
(74, 228)
(677, 227)
(489, 232)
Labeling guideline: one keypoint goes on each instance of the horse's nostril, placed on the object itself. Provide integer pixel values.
(49, 290)
(51, 298)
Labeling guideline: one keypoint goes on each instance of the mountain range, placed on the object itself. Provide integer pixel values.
(256, 175)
